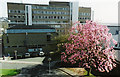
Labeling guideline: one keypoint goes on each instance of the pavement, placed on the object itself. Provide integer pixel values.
(33, 67)
(73, 71)
(20, 63)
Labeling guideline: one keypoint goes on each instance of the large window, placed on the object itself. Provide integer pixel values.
(48, 37)
(7, 39)
(30, 50)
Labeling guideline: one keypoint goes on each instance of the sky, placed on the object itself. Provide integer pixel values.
(105, 11)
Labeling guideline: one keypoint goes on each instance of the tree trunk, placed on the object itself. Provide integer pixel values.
(88, 71)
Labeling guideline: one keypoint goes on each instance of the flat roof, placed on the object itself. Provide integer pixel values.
(31, 27)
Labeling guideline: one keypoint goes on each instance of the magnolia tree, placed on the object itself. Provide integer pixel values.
(89, 46)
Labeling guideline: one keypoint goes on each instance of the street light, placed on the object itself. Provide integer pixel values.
(49, 59)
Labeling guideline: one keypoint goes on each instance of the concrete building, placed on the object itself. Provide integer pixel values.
(116, 35)
(59, 15)
(84, 14)
(29, 39)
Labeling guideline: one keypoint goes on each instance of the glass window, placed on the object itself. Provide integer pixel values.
(46, 17)
(30, 50)
(54, 17)
(58, 17)
(55, 12)
(6, 47)
(44, 7)
(34, 7)
(57, 26)
(48, 37)
(15, 16)
(12, 11)
(19, 16)
(40, 49)
(39, 16)
(9, 11)
(52, 12)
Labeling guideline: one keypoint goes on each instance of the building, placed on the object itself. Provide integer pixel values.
(84, 14)
(59, 15)
(29, 39)
(116, 35)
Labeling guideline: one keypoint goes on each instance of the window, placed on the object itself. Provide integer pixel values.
(57, 26)
(58, 17)
(30, 50)
(37, 7)
(44, 7)
(7, 39)
(14, 46)
(9, 11)
(65, 13)
(54, 17)
(48, 37)
(5, 46)
(12, 11)
(19, 16)
(40, 49)
(46, 17)
(39, 16)
(34, 7)
(11, 16)
(117, 32)
(16, 11)
(119, 44)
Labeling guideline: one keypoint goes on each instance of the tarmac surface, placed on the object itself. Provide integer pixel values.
(32, 67)
(20, 63)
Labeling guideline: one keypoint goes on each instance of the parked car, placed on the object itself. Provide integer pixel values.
(34, 54)
(41, 53)
(27, 54)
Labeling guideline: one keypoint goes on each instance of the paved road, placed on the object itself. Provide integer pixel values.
(20, 63)
(36, 69)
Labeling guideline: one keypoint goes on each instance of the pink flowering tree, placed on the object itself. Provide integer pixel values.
(89, 47)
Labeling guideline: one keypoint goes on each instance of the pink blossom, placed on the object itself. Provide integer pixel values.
(115, 42)
(89, 45)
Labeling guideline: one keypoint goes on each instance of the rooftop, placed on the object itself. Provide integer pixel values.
(31, 27)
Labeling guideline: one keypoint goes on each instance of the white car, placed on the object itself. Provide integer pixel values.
(41, 53)
(27, 54)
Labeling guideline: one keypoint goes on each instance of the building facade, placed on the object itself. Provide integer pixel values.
(84, 14)
(29, 39)
(59, 15)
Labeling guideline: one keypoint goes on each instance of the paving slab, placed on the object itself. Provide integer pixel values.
(74, 71)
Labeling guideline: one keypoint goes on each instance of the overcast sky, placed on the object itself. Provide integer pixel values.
(105, 11)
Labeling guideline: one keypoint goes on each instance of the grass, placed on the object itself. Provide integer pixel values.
(8, 72)
(91, 75)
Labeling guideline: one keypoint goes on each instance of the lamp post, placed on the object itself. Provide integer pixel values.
(49, 59)
(15, 54)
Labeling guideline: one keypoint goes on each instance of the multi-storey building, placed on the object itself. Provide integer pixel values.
(29, 39)
(84, 14)
(59, 15)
